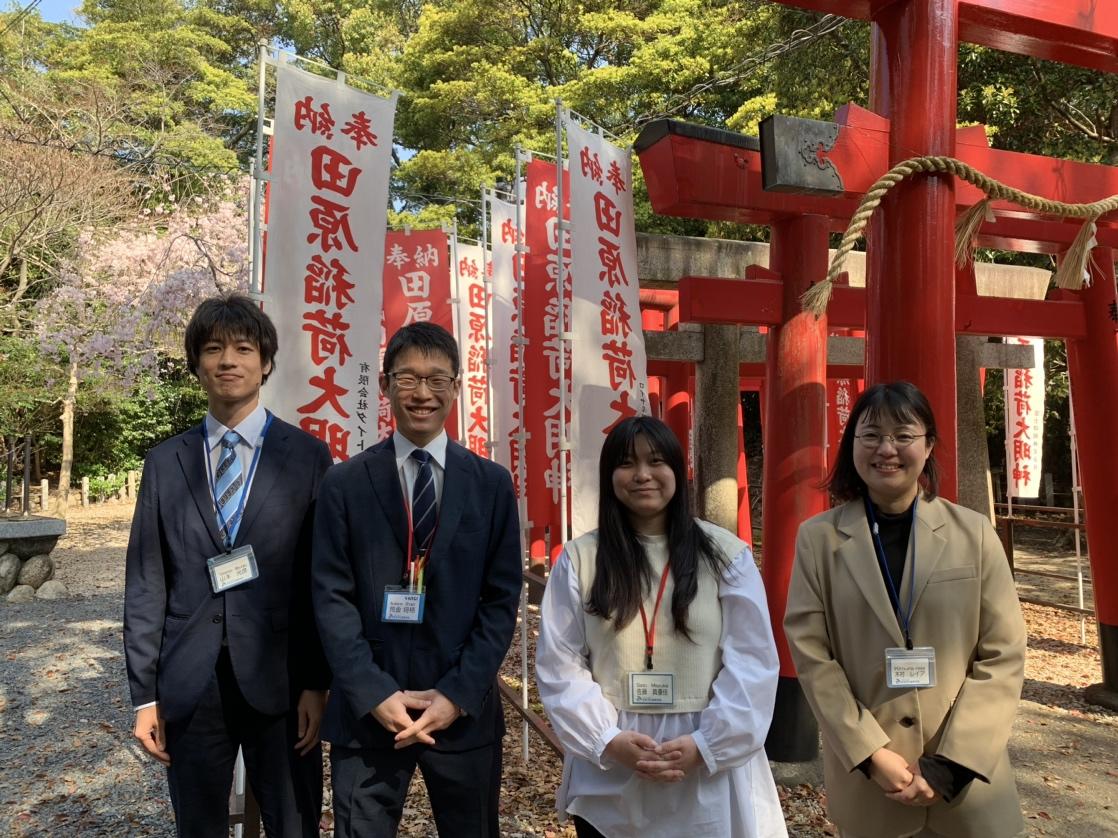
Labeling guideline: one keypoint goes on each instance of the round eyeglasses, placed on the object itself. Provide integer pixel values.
(409, 381)
(872, 439)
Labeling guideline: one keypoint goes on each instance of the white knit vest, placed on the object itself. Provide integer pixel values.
(614, 654)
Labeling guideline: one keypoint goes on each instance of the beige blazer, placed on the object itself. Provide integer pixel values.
(839, 622)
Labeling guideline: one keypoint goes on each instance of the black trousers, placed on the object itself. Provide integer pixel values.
(203, 751)
(371, 785)
(583, 829)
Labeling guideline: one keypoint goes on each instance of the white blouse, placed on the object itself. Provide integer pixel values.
(733, 795)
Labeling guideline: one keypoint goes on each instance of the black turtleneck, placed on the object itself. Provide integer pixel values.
(894, 531)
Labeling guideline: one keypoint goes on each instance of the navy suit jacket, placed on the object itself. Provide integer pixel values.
(174, 623)
(473, 582)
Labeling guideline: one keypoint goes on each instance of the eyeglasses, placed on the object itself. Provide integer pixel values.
(435, 383)
(872, 439)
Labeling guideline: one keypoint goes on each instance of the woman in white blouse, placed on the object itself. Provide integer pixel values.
(656, 662)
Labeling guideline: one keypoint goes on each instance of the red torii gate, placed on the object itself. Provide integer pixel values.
(699, 171)
(914, 86)
(702, 174)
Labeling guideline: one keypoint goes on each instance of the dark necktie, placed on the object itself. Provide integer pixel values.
(423, 512)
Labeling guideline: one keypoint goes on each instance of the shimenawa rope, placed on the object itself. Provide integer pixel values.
(1072, 268)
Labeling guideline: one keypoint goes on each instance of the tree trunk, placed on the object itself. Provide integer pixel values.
(69, 402)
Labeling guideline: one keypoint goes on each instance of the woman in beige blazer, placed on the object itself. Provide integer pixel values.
(914, 740)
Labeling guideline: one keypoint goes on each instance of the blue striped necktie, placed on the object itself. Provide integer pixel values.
(423, 512)
(229, 487)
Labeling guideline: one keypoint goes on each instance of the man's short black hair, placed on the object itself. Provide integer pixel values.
(428, 338)
(231, 317)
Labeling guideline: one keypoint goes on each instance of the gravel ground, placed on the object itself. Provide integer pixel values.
(68, 765)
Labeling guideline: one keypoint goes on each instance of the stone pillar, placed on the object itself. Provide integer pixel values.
(717, 403)
(975, 489)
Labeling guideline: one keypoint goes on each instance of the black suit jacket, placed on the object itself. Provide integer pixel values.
(473, 584)
(174, 623)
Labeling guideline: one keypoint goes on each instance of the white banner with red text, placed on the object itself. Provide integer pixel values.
(609, 377)
(504, 331)
(473, 346)
(1024, 423)
(327, 207)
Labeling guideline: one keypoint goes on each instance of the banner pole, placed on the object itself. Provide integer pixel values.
(521, 460)
(1006, 395)
(561, 337)
(456, 308)
(259, 177)
(487, 285)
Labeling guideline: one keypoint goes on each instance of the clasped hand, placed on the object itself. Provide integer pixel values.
(900, 780)
(438, 713)
(660, 762)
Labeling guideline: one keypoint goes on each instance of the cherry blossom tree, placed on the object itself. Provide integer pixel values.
(123, 299)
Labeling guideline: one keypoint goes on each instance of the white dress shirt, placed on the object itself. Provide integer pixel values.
(732, 794)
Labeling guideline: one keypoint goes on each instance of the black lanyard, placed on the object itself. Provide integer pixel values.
(904, 617)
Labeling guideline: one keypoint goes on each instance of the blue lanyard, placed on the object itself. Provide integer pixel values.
(904, 617)
(227, 537)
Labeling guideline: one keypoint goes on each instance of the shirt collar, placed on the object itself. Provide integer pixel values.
(404, 446)
(251, 428)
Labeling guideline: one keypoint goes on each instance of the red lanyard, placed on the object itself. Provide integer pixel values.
(650, 630)
(415, 565)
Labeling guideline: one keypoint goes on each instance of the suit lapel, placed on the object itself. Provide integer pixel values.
(857, 554)
(269, 470)
(381, 465)
(930, 545)
(192, 459)
(450, 506)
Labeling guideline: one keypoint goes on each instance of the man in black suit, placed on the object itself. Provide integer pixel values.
(219, 638)
(416, 604)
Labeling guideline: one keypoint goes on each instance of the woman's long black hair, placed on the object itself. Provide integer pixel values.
(623, 576)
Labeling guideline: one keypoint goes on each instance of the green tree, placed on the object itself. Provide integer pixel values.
(28, 404)
(182, 75)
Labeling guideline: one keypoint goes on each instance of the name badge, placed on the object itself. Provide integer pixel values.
(402, 606)
(906, 669)
(651, 689)
(232, 569)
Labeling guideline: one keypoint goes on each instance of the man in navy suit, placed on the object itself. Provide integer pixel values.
(219, 638)
(416, 581)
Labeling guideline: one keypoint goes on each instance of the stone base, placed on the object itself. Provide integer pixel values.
(25, 562)
(1102, 696)
(792, 774)
(32, 535)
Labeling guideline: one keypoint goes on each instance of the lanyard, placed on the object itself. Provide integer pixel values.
(226, 536)
(905, 617)
(650, 630)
